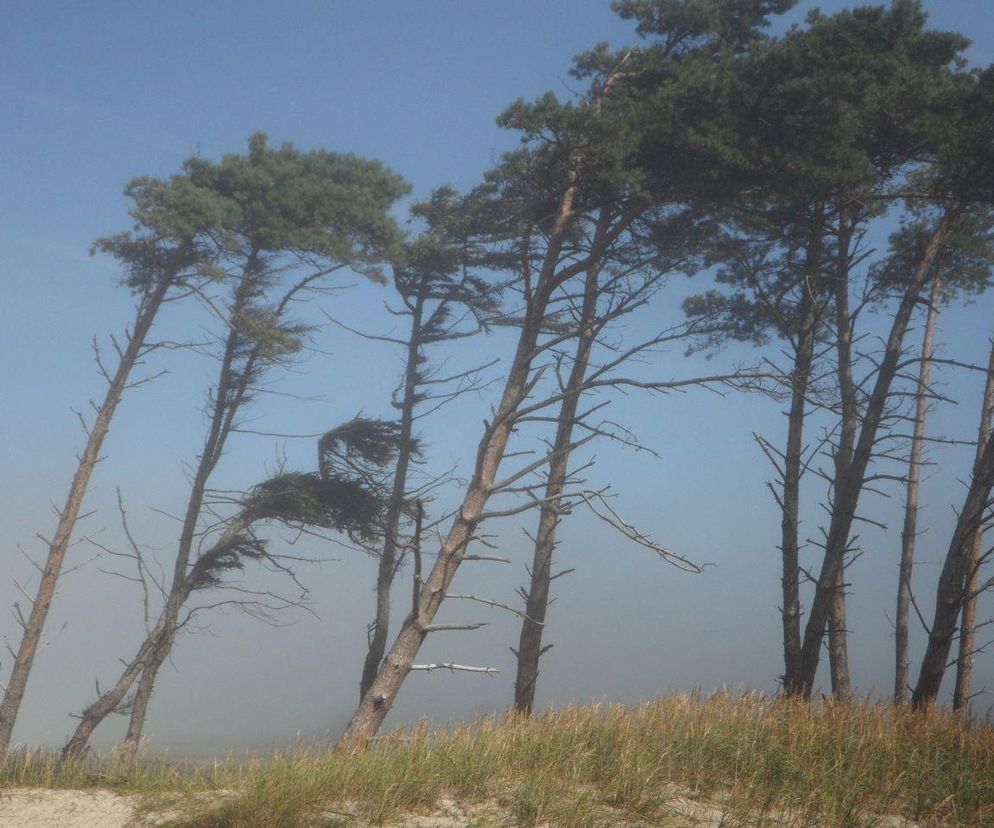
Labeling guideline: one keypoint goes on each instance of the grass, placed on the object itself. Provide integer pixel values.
(757, 759)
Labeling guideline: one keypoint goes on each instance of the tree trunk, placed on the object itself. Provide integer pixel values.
(793, 460)
(848, 489)
(378, 700)
(388, 555)
(909, 533)
(530, 642)
(147, 310)
(838, 651)
(967, 635)
(230, 392)
(128, 749)
(951, 591)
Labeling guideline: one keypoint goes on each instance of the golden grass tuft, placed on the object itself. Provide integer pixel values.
(757, 759)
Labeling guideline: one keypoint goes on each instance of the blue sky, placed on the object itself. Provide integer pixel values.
(93, 94)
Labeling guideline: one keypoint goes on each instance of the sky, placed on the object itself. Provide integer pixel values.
(94, 94)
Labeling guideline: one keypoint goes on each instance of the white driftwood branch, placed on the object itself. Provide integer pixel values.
(430, 628)
(448, 665)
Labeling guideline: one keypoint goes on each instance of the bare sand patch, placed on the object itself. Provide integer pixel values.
(37, 808)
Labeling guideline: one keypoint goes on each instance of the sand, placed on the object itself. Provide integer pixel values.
(32, 808)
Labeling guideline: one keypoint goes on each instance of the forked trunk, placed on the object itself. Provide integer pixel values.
(69, 515)
(909, 534)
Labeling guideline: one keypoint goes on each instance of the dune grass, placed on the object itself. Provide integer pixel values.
(759, 760)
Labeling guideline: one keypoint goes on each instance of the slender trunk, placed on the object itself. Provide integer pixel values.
(838, 651)
(909, 534)
(139, 704)
(395, 508)
(792, 470)
(848, 489)
(147, 310)
(964, 664)
(530, 642)
(951, 590)
(376, 703)
(230, 392)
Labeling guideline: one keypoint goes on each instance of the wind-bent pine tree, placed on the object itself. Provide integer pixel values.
(444, 302)
(282, 222)
(625, 150)
(159, 265)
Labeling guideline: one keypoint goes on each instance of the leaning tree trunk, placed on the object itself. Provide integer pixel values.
(848, 489)
(951, 591)
(909, 533)
(139, 704)
(838, 651)
(69, 514)
(231, 389)
(967, 635)
(530, 648)
(376, 703)
(388, 555)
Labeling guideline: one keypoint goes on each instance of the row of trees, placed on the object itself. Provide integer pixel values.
(776, 164)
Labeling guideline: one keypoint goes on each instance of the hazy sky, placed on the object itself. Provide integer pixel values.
(93, 94)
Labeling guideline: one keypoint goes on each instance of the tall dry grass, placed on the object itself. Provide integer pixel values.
(759, 760)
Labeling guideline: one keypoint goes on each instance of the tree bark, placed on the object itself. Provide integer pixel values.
(848, 489)
(148, 308)
(909, 533)
(967, 635)
(388, 555)
(530, 641)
